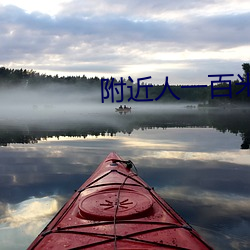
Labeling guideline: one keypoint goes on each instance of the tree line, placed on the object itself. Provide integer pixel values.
(31, 78)
(239, 88)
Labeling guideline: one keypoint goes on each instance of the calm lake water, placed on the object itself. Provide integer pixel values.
(197, 160)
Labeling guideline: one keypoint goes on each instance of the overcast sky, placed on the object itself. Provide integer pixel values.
(184, 40)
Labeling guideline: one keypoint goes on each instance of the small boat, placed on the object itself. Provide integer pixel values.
(116, 209)
(123, 110)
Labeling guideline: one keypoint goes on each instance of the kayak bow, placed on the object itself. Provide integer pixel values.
(116, 209)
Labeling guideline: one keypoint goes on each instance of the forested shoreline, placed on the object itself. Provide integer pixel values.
(220, 93)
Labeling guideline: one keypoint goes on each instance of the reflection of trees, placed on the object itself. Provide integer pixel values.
(245, 144)
(8, 137)
(236, 122)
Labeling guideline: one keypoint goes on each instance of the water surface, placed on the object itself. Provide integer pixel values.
(194, 160)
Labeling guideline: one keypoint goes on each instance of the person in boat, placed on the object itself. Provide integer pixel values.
(120, 107)
(125, 106)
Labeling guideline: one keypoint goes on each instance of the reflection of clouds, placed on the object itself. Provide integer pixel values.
(222, 219)
(175, 143)
(226, 240)
(29, 213)
(228, 203)
(147, 144)
(185, 139)
(2, 209)
(234, 156)
(22, 222)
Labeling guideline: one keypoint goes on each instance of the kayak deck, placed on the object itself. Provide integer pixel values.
(116, 209)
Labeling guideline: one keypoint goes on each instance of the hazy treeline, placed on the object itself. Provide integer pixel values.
(32, 79)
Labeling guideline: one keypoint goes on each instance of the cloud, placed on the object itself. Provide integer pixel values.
(110, 38)
(140, 10)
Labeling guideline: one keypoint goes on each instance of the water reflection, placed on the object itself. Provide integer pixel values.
(110, 123)
(201, 172)
(21, 221)
(31, 210)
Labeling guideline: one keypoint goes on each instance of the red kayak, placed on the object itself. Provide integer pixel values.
(116, 209)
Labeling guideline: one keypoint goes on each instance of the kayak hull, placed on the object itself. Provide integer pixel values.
(116, 209)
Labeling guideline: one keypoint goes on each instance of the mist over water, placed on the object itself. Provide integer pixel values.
(58, 103)
(51, 102)
(57, 109)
